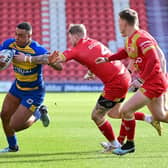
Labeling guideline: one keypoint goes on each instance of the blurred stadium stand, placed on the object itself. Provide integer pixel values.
(51, 18)
(157, 14)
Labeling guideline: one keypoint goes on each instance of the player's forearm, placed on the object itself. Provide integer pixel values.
(57, 66)
(118, 56)
(41, 59)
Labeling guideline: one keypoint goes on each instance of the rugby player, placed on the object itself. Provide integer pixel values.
(114, 75)
(149, 61)
(22, 104)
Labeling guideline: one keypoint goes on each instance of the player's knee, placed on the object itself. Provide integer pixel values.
(94, 117)
(14, 126)
(97, 117)
(126, 114)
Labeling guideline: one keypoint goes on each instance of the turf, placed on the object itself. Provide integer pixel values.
(72, 139)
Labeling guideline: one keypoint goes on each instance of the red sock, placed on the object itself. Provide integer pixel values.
(130, 128)
(107, 131)
(122, 133)
(139, 116)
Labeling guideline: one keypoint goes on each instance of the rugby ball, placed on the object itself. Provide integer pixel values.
(7, 58)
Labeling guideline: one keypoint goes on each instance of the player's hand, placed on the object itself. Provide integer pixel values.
(89, 76)
(20, 57)
(55, 57)
(100, 60)
(135, 85)
(2, 63)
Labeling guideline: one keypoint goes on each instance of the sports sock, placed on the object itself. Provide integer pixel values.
(122, 133)
(37, 114)
(139, 116)
(130, 128)
(148, 118)
(115, 143)
(107, 130)
(12, 141)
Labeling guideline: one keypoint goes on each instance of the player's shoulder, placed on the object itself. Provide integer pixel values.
(144, 35)
(7, 42)
(39, 49)
(144, 38)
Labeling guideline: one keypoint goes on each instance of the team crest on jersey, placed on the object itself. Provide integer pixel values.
(138, 60)
(29, 101)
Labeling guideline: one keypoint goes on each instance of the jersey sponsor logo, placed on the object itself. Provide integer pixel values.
(104, 49)
(22, 71)
(91, 46)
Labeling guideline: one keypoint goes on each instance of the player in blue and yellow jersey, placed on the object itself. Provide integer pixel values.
(21, 106)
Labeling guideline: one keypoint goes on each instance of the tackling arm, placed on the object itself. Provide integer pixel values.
(56, 66)
(117, 56)
(41, 59)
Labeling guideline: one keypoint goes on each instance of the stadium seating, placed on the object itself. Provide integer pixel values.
(158, 22)
(51, 18)
(140, 7)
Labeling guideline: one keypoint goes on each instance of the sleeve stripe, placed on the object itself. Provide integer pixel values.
(147, 49)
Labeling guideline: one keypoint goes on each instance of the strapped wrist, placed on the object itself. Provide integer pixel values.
(27, 58)
(140, 81)
(106, 59)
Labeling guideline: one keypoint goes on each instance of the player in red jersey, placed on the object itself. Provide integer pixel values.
(148, 60)
(114, 76)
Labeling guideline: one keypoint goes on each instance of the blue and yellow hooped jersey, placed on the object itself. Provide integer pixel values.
(28, 75)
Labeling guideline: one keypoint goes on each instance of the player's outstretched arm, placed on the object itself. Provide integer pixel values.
(122, 54)
(56, 57)
(40, 59)
(57, 66)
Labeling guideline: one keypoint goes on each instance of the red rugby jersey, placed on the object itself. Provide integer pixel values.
(141, 47)
(87, 50)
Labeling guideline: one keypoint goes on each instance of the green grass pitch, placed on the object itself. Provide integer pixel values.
(72, 139)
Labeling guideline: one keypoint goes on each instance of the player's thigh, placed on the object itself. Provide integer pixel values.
(30, 101)
(137, 101)
(156, 107)
(9, 106)
(165, 97)
(20, 117)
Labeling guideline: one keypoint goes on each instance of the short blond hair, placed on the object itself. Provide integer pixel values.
(78, 29)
